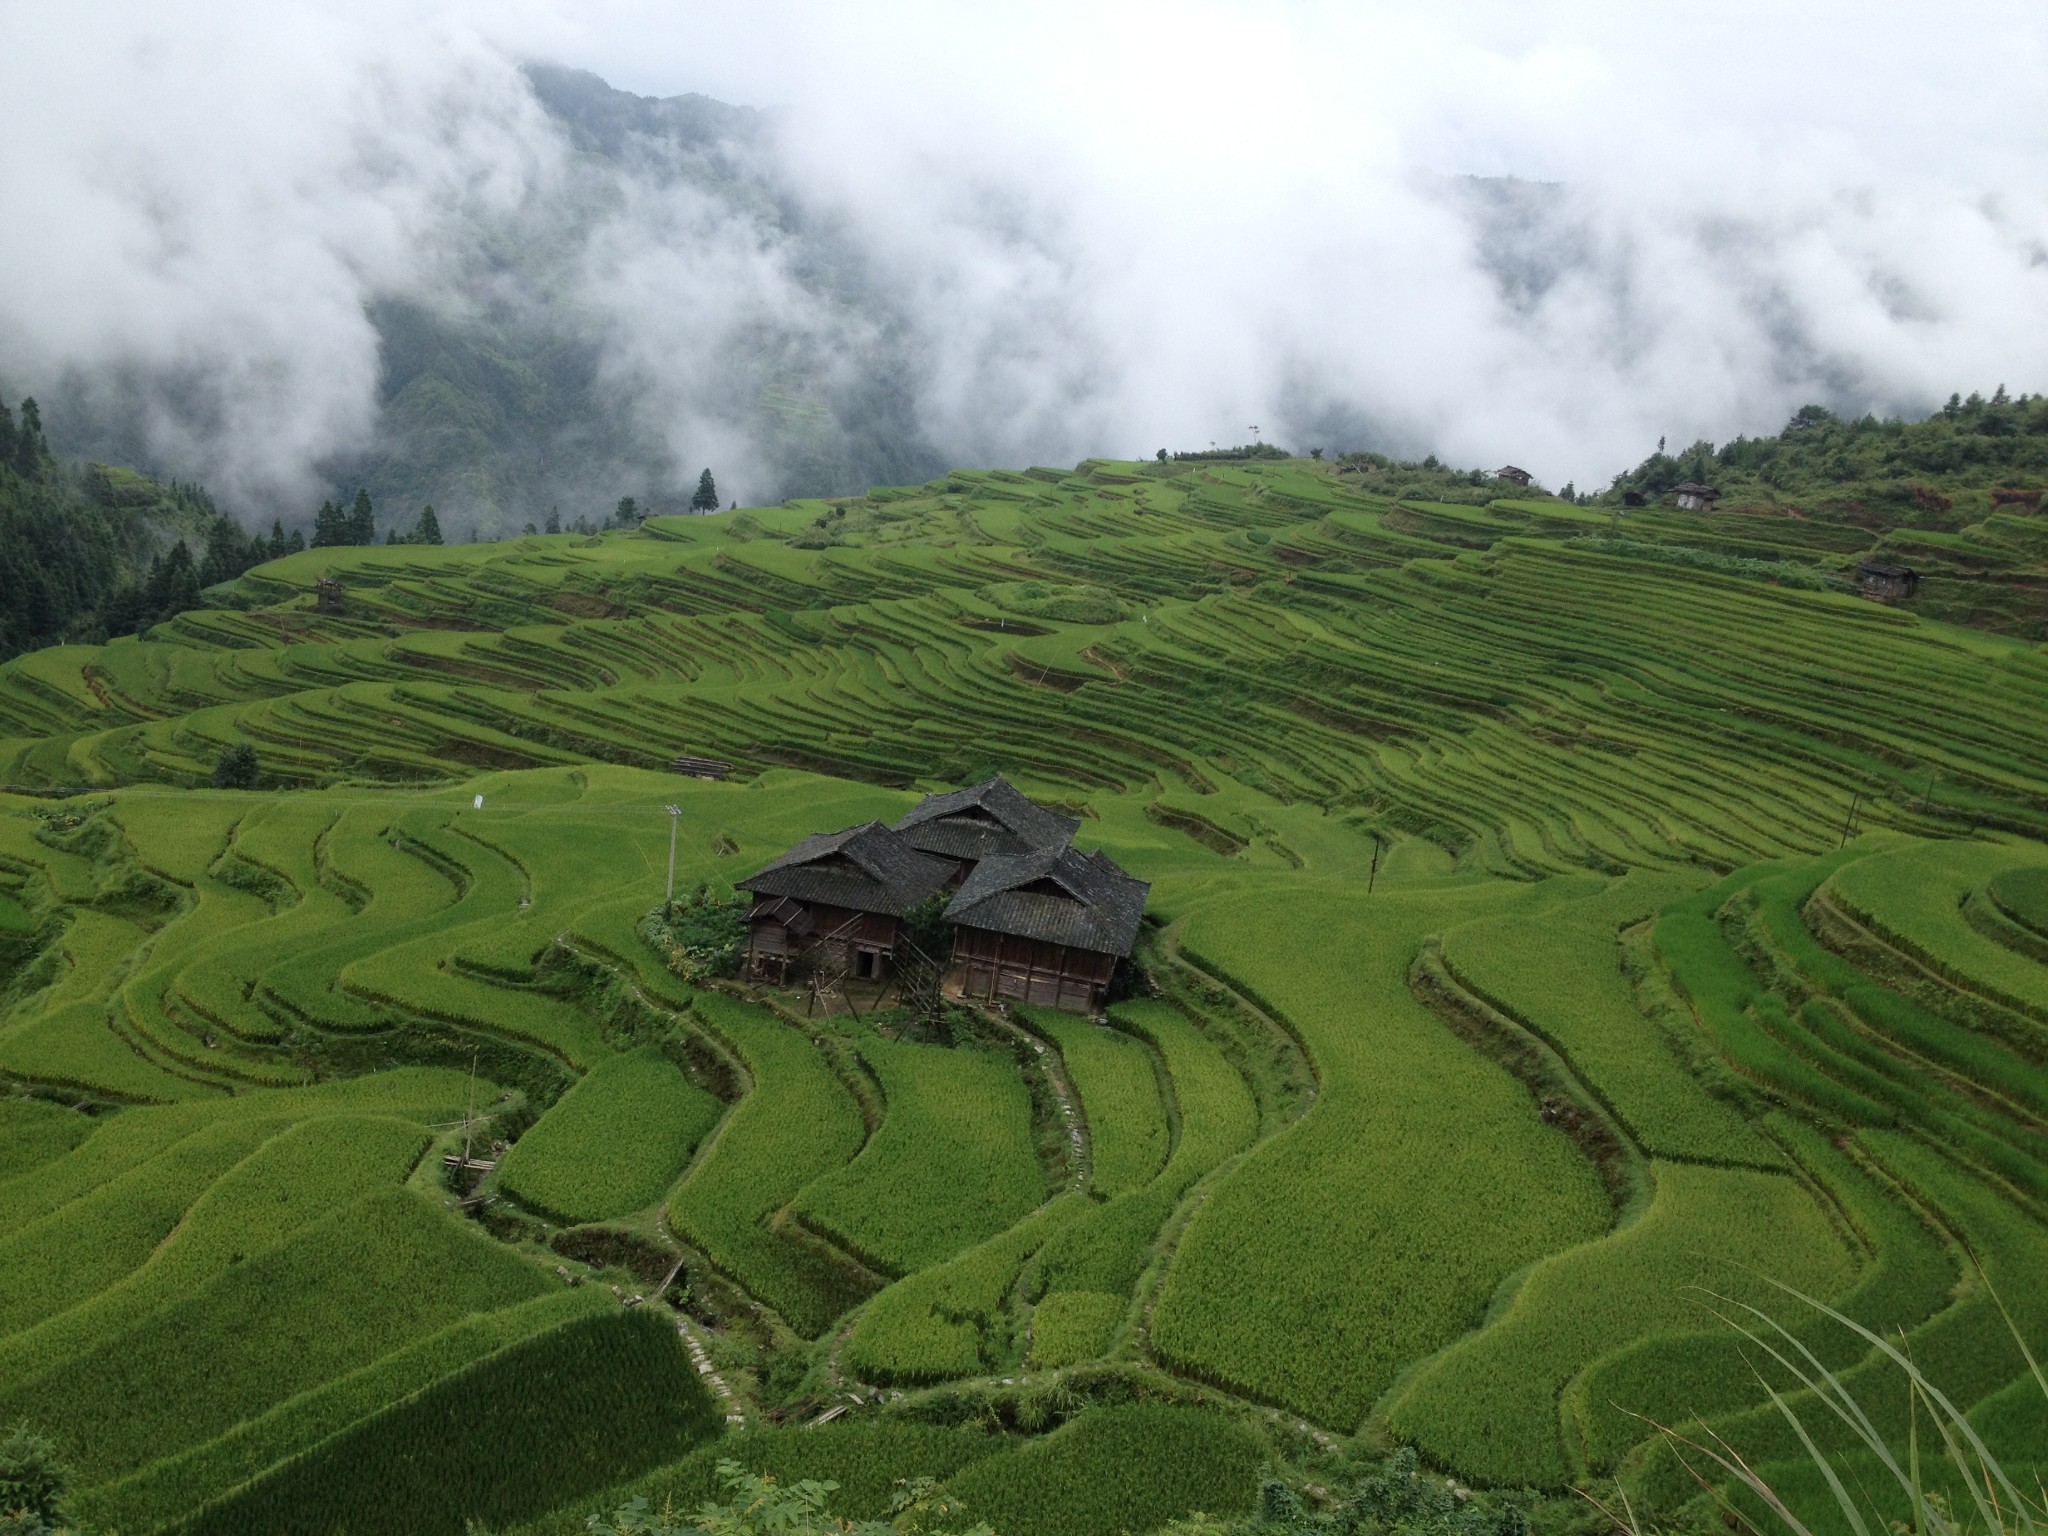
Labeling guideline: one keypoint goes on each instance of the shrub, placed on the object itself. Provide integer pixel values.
(700, 938)
(238, 768)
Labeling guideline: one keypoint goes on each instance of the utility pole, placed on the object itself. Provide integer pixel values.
(469, 1113)
(1373, 874)
(1850, 821)
(675, 818)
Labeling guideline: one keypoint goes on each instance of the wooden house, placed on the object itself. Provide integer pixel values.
(1034, 920)
(327, 595)
(1694, 497)
(845, 892)
(1887, 583)
(988, 820)
(1045, 927)
(1510, 472)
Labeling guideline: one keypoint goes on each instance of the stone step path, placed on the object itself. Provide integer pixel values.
(702, 1361)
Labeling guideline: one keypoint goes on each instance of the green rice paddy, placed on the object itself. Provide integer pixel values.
(1553, 946)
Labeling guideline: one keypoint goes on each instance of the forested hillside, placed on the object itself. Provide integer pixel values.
(91, 550)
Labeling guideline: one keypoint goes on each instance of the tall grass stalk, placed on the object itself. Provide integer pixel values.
(1996, 1506)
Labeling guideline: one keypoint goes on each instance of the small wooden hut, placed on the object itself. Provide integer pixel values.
(327, 595)
(1694, 497)
(1045, 927)
(701, 767)
(1887, 583)
(1511, 472)
(845, 892)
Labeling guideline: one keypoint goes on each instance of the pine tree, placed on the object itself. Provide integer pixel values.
(7, 435)
(277, 544)
(295, 543)
(362, 521)
(629, 512)
(330, 526)
(428, 529)
(29, 448)
(705, 498)
(226, 553)
(554, 520)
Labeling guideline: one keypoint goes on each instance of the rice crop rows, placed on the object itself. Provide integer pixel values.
(1558, 974)
(799, 1123)
(162, 1492)
(952, 1162)
(1117, 1469)
(575, 1409)
(614, 1143)
(1119, 1093)
(1302, 1279)
(1488, 1404)
(336, 1296)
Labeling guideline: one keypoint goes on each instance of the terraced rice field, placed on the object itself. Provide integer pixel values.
(1542, 939)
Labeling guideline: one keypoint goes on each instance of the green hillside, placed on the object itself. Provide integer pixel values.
(1550, 926)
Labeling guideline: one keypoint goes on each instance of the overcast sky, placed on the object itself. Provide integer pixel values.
(1122, 225)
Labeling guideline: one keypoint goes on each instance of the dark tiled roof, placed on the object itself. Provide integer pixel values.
(866, 868)
(1057, 895)
(1889, 572)
(1694, 488)
(1007, 824)
(786, 910)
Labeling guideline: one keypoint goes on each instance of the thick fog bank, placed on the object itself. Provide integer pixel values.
(288, 248)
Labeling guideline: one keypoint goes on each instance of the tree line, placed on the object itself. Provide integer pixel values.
(83, 551)
(335, 525)
(1971, 441)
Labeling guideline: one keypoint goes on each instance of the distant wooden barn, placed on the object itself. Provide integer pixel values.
(1694, 497)
(1887, 583)
(1033, 919)
(327, 595)
(1510, 472)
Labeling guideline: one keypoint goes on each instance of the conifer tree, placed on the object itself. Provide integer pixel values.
(29, 448)
(330, 526)
(428, 529)
(277, 544)
(362, 521)
(554, 524)
(705, 499)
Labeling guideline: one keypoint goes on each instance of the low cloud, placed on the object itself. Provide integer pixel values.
(1025, 234)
